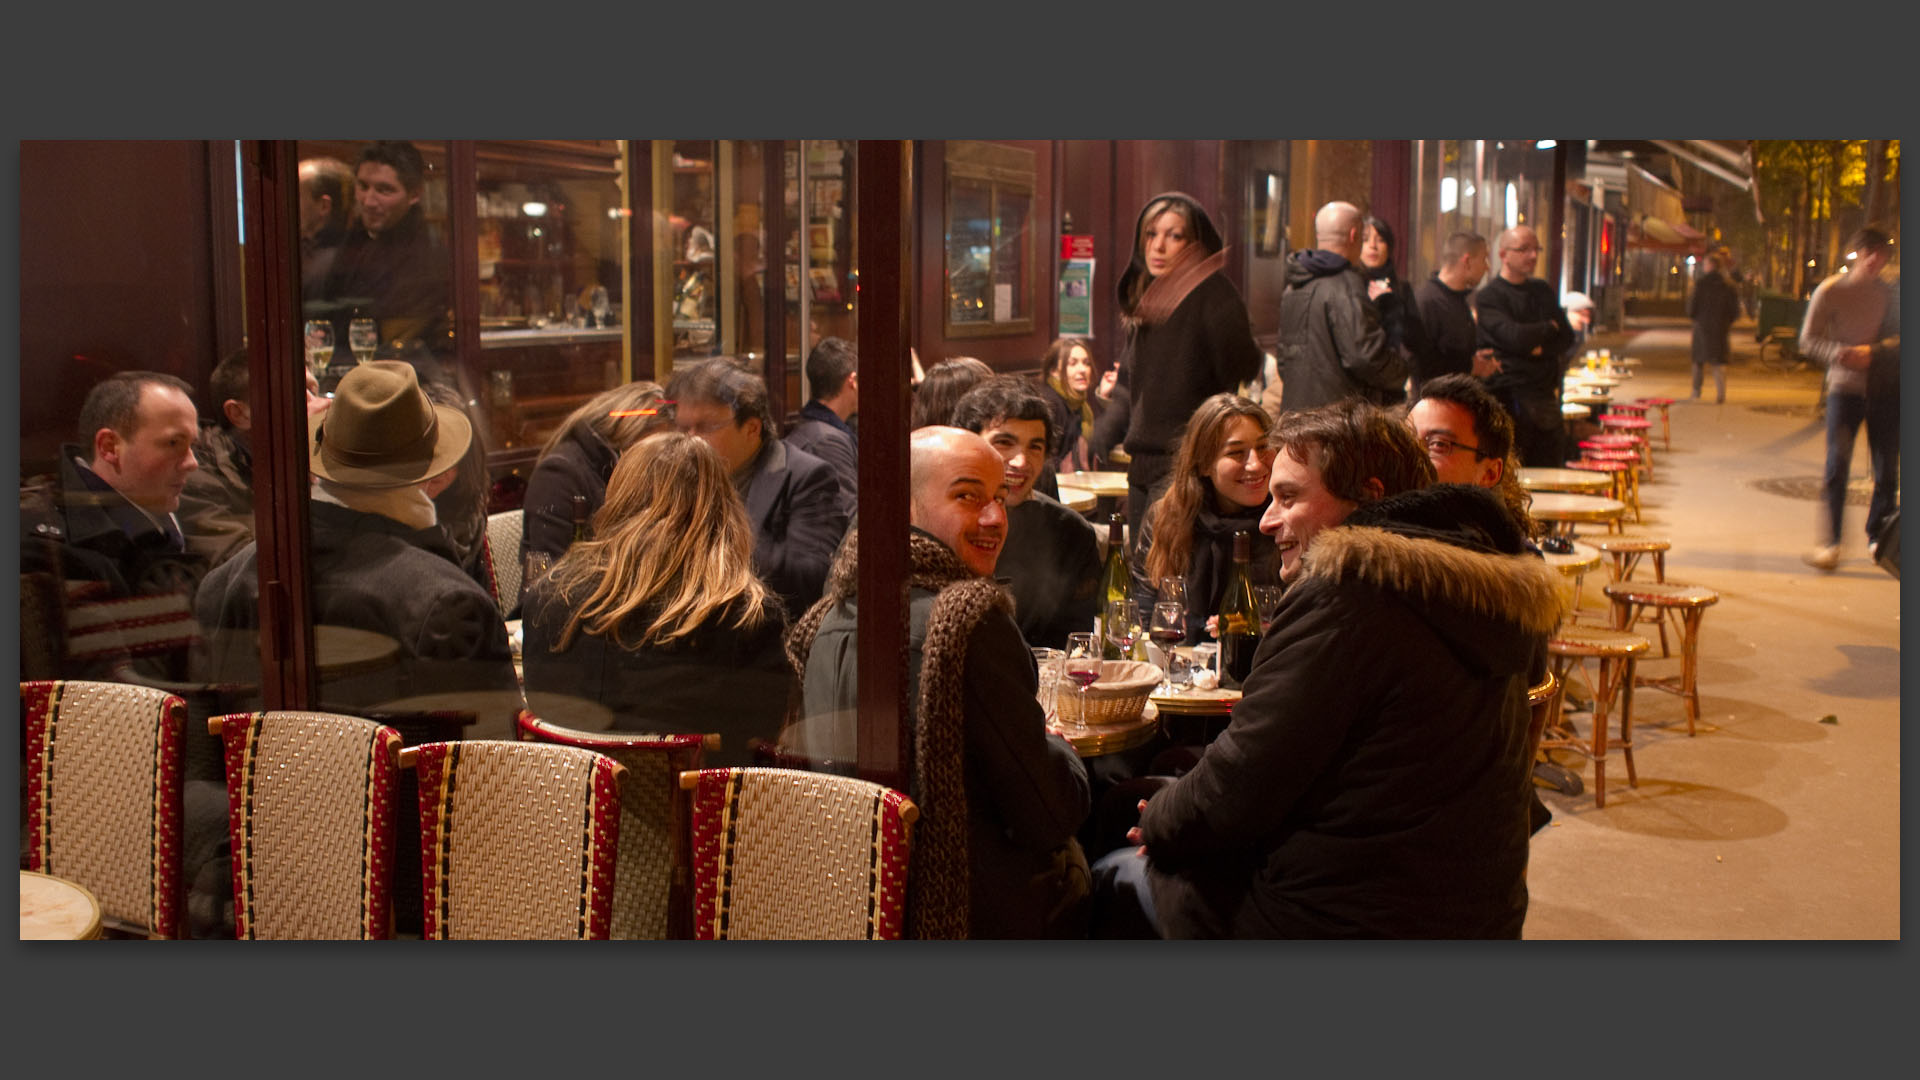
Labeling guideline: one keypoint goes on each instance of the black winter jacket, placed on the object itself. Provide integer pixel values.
(1373, 780)
(1713, 306)
(581, 464)
(1446, 314)
(736, 683)
(1332, 344)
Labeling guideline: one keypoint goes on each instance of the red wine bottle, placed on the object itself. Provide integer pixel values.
(1239, 617)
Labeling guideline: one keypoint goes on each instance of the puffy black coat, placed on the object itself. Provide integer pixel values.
(1373, 780)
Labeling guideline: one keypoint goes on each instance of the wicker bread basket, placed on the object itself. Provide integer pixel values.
(1118, 698)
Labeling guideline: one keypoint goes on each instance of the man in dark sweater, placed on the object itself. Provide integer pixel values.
(1051, 559)
(833, 377)
(1445, 303)
(1332, 345)
(1522, 321)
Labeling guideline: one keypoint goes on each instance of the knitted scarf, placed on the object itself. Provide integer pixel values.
(938, 881)
(1074, 401)
(1164, 293)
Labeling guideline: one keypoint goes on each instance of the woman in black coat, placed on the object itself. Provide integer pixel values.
(659, 617)
(579, 459)
(1078, 399)
(1188, 337)
(1399, 315)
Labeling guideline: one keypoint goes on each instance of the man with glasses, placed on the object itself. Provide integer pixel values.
(1469, 439)
(793, 498)
(1522, 321)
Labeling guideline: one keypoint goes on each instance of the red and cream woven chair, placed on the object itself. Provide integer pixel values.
(517, 839)
(784, 854)
(103, 790)
(650, 890)
(310, 811)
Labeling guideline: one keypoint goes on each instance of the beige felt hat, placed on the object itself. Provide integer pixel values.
(382, 432)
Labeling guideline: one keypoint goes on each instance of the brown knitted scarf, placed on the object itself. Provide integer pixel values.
(1164, 293)
(938, 881)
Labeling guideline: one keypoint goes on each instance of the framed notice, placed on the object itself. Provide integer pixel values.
(1076, 298)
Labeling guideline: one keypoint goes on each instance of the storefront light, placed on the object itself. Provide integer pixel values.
(534, 209)
(1449, 194)
(1513, 206)
(1545, 144)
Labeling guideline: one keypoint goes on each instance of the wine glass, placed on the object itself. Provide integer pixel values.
(1123, 626)
(319, 343)
(363, 337)
(1168, 629)
(1266, 599)
(1082, 667)
(1171, 590)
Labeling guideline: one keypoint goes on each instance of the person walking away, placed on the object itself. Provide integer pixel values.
(1713, 306)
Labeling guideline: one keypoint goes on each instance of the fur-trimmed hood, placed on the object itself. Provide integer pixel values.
(1483, 598)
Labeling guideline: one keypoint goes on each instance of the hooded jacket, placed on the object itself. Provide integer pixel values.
(1204, 347)
(1373, 780)
(1332, 343)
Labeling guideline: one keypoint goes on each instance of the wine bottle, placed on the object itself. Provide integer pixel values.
(579, 518)
(1118, 582)
(1239, 617)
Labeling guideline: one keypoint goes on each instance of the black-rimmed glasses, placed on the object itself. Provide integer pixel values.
(1441, 444)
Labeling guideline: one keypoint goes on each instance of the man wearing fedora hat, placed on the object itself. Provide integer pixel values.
(380, 562)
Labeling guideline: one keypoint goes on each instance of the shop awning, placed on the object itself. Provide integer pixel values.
(1663, 235)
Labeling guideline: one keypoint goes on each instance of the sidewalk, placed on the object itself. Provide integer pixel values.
(1769, 823)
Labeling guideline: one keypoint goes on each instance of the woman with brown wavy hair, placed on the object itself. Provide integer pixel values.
(659, 617)
(1218, 487)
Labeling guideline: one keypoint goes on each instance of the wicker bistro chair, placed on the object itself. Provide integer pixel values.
(517, 839)
(310, 812)
(650, 886)
(102, 764)
(502, 547)
(784, 854)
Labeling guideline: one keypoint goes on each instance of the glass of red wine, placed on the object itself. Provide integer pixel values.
(1083, 667)
(1168, 629)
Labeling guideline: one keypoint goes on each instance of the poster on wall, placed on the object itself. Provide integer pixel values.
(1076, 298)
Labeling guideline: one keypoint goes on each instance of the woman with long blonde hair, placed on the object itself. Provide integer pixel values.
(659, 616)
(578, 460)
(1218, 487)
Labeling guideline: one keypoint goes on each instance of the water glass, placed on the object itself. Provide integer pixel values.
(1205, 670)
(1051, 664)
(1267, 599)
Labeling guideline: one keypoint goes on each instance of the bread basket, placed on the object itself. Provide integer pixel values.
(1118, 698)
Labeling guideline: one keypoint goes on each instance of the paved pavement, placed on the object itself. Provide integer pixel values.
(1781, 817)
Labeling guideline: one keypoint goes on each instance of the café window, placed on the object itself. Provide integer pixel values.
(989, 244)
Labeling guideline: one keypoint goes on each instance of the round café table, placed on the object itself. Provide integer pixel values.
(1573, 410)
(1577, 481)
(1195, 716)
(1566, 510)
(339, 651)
(1077, 498)
(1103, 484)
(55, 909)
(1095, 740)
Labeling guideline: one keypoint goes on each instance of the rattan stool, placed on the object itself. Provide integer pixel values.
(1635, 427)
(1570, 646)
(1624, 465)
(1666, 429)
(1627, 551)
(1630, 601)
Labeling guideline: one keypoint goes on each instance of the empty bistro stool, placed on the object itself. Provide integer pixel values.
(1570, 646)
(1632, 598)
(1666, 429)
(1627, 552)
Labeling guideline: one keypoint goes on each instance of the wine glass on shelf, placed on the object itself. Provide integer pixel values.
(319, 344)
(1082, 668)
(363, 337)
(1167, 629)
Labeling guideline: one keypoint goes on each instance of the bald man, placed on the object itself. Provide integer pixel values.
(1332, 346)
(1000, 798)
(1522, 321)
